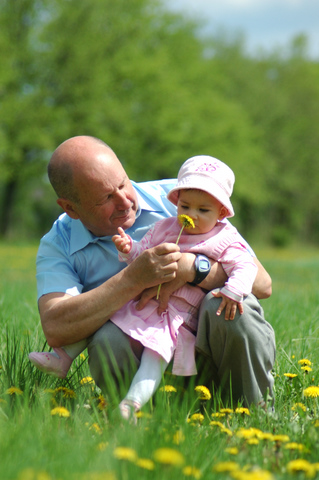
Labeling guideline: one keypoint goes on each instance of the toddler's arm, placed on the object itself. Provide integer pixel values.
(122, 241)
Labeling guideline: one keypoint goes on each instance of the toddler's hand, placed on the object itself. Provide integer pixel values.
(122, 241)
(229, 305)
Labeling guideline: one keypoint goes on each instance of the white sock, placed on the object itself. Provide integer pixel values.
(147, 378)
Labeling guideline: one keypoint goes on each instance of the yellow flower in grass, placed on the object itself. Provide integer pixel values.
(14, 391)
(203, 392)
(227, 431)
(218, 414)
(306, 369)
(190, 471)
(311, 391)
(301, 465)
(296, 446)
(290, 375)
(60, 412)
(145, 463)
(248, 433)
(102, 446)
(257, 474)
(214, 423)
(87, 380)
(226, 410)
(178, 437)
(67, 392)
(125, 453)
(222, 467)
(232, 450)
(281, 438)
(168, 389)
(169, 456)
(300, 406)
(82, 356)
(305, 362)
(196, 418)
(243, 410)
(253, 441)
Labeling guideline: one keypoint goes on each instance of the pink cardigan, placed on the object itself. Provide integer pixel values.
(166, 333)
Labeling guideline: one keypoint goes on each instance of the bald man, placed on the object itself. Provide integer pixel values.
(81, 283)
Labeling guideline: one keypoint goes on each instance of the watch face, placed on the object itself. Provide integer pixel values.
(203, 265)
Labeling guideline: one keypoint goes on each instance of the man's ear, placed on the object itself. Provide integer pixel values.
(68, 207)
(223, 213)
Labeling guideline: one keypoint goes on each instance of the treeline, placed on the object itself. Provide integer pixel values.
(157, 92)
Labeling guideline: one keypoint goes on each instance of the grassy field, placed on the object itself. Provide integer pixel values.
(54, 430)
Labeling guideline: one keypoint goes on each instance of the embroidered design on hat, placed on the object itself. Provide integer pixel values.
(207, 167)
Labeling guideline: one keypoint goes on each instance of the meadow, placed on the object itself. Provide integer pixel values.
(52, 429)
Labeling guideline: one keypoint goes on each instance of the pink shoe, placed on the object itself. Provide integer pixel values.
(52, 364)
(128, 408)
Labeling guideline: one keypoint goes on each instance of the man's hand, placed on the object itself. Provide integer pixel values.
(229, 305)
(184, 274)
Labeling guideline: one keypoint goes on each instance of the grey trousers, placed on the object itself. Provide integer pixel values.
(239, 354)
(236, 355)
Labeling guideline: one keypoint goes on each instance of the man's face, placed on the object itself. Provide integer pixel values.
(107, 198)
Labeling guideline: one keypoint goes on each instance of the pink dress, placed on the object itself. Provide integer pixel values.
(173, 332)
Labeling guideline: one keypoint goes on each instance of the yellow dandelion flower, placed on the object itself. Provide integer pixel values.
(214, 423)
(66, 392)
(141, 414)
(218, 414)
(226, 467)
(60, 412)
(203, 392)
(244, 411)
(226, 410)
(281, 438)
(301, 465)
(316, 424)
(305, 361)
(102, 403)
(196, 417)
(125, 453)
(87, 380)
(248, 432)
(190, 471)
(306, 369)
(226, 430)
(168, 389)
(14, 391)
(253, 441)
(295, 446)
(290, 375)
(145, 463)
(185, 221)
(311, 391)
(168, 456)
(232, 450)
(82, 356)
(252, 475)
(299, 405)
(265, 436)
(178, 437)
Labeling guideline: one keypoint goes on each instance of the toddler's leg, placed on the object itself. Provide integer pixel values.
(144, 384)
(58, 362)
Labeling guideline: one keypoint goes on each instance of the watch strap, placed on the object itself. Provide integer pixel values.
(202, 269)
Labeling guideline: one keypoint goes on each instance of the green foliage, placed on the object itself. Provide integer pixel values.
(147, 83)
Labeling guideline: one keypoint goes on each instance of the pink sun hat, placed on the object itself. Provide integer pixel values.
(209, 174)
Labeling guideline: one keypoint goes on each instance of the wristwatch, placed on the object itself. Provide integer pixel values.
(202, 269)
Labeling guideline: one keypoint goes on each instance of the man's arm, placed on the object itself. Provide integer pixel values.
(67, 319)
(216, 279)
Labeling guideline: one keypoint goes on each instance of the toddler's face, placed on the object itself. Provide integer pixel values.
(204, 210)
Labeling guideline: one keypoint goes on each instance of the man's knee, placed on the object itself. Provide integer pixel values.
(111, 354)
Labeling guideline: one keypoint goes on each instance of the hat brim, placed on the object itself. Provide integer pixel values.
(218, 193)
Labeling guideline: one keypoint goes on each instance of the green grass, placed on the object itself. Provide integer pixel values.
(35, 445)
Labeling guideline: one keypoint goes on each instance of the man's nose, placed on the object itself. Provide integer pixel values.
(122, 202)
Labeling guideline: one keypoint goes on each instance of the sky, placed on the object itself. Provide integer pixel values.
(266, 24)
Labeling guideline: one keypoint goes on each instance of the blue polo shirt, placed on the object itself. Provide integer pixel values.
(72, 260)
